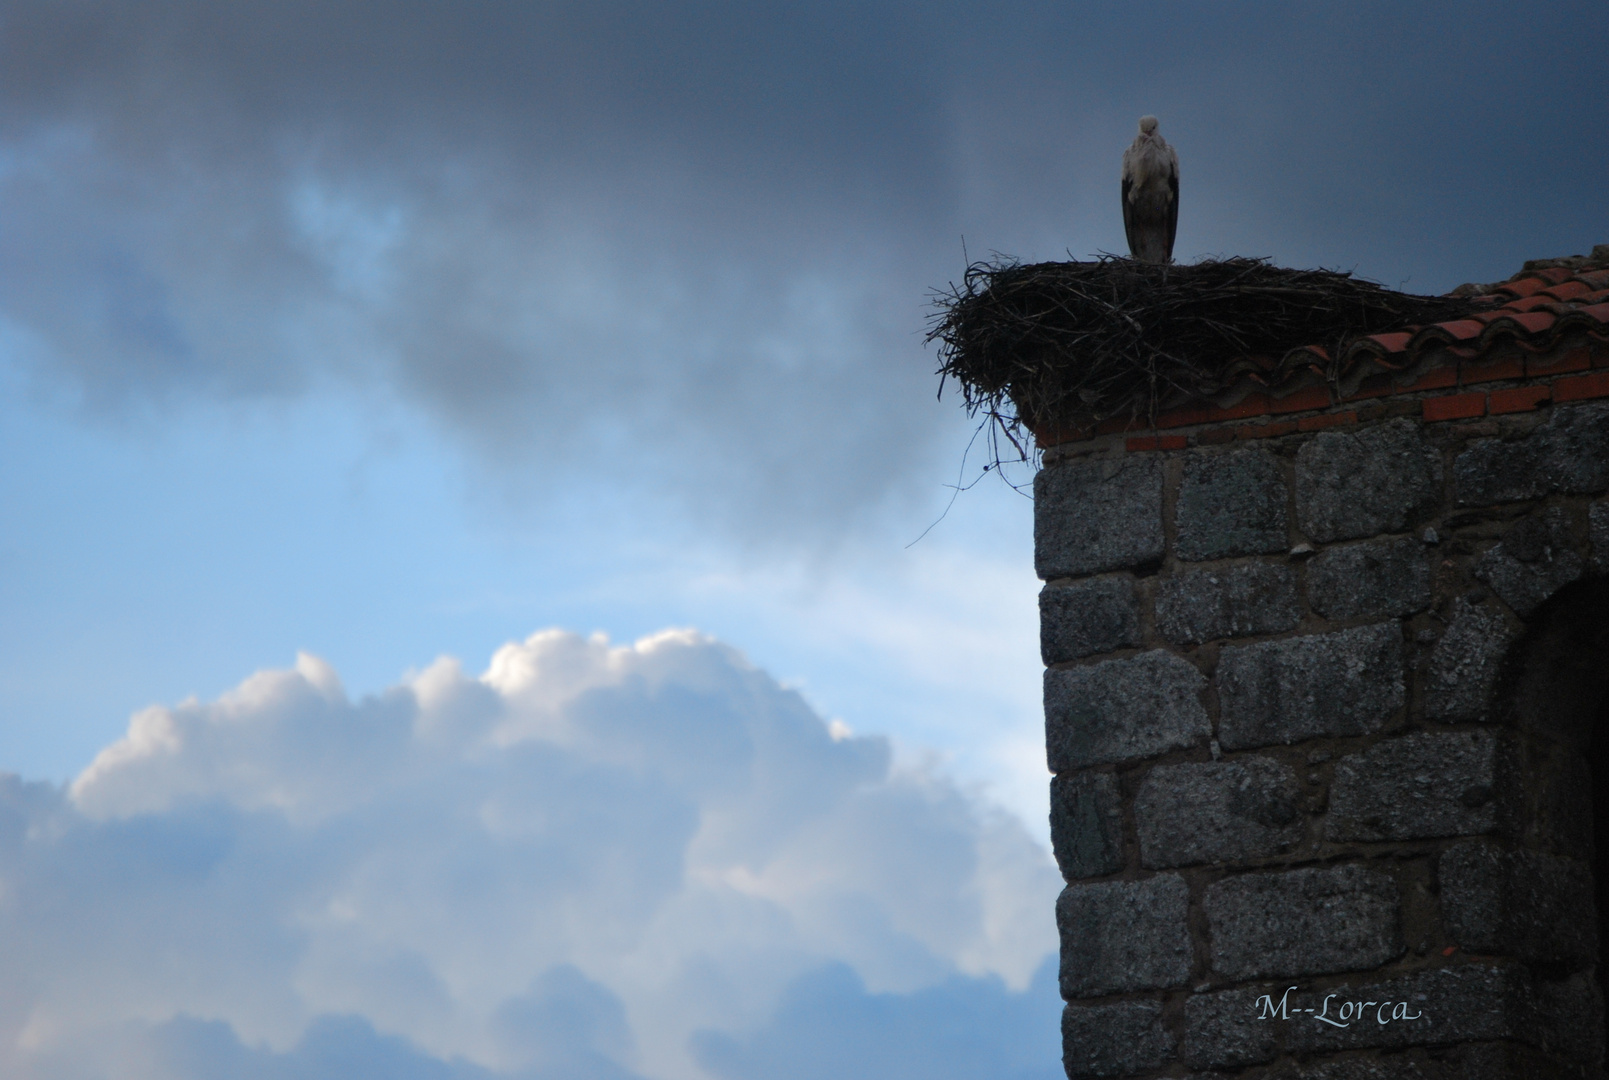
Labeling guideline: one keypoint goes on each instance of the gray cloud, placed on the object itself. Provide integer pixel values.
(688, 246)
(827, 1024)
(185, 1048)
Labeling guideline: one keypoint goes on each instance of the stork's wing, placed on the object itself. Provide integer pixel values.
(1128, 220)
(1173, 209)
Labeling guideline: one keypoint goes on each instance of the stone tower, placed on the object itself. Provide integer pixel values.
(1327, 705)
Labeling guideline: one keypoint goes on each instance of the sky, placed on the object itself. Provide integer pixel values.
(485, 593)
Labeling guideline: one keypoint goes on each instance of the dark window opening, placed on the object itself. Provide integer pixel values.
(1556, 692)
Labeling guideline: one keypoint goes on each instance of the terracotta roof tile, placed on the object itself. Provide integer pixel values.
(1568, 291)
(1524, 286)
(1532, 302)
(1394, 342)
(1535, 321)
(1462, 330)
(1538, 310)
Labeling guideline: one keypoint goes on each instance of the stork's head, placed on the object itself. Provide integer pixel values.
(1147, 125)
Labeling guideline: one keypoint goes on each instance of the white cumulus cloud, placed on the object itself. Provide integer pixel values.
(589, 861)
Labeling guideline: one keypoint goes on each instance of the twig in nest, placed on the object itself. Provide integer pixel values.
(1074, 343)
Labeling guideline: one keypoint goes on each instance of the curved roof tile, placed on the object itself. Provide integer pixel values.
(1539, 309)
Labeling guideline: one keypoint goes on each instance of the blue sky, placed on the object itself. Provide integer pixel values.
(392, 332)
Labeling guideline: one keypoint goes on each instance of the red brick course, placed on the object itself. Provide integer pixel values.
(1455, 407)
(1509, 368)
(1581, 387)
(1518, 399)
(1574, 360)
(1155, 442)
(1306, 400)
(1545, 388)
(1440, 378)
(1188, 417)
(1326, 420)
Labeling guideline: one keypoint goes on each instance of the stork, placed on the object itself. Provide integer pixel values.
(1150, 195)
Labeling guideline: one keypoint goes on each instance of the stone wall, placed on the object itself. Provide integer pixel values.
(1321, 746)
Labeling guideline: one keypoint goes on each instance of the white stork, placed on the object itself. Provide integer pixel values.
(1150, 195)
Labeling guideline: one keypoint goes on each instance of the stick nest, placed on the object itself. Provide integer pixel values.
(1071, 343)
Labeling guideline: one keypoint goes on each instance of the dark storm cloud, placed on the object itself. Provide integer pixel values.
(707, 231)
